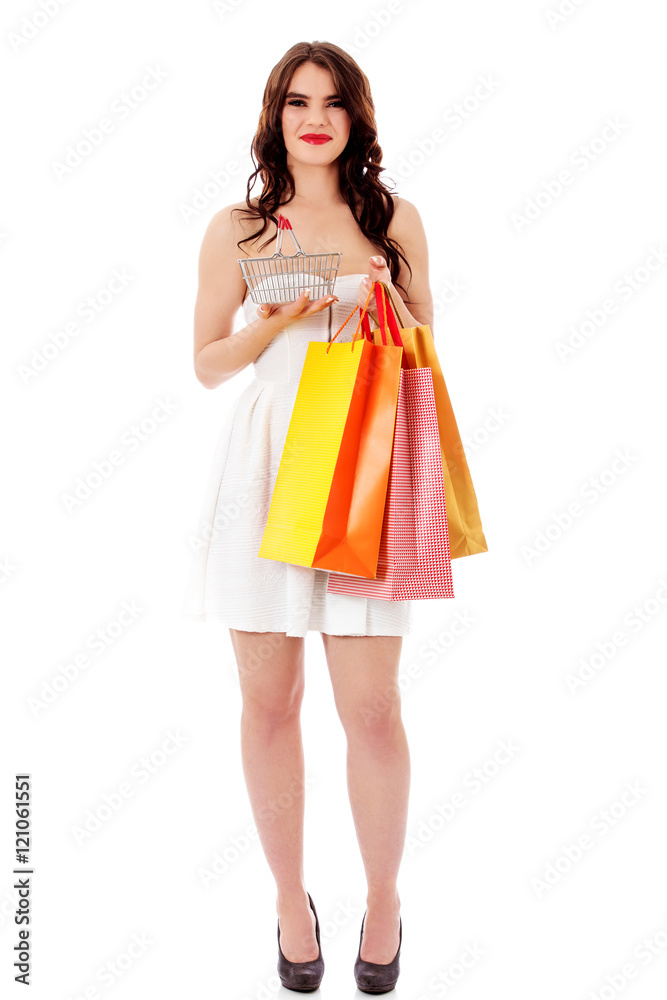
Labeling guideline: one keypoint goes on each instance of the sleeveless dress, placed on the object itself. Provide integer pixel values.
(228, 581)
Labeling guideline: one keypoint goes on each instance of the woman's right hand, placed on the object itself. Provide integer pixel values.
(298, 308)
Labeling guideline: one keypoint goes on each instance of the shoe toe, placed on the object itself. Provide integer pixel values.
(373, 982)
(306, 980)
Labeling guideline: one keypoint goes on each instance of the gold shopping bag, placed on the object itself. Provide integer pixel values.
(466, 537)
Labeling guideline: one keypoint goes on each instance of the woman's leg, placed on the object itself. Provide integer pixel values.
(364, 675)
(271, 674)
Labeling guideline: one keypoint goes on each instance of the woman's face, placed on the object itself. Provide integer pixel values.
(318, 111)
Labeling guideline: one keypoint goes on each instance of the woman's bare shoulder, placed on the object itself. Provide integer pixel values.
(405, 214)
(232, 223)
(234, 215)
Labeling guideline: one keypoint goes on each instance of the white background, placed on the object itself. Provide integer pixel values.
(597, 589)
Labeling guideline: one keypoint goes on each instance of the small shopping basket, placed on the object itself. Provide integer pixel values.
(283, 277)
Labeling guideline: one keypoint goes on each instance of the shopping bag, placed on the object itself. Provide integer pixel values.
(327, 505)
(414, 559)
(466, 536)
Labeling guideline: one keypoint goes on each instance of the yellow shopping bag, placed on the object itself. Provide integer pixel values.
(466, 536)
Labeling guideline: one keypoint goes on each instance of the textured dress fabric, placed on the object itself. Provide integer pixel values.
(228, 581)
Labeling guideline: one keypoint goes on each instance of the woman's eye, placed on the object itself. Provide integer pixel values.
(297, 100)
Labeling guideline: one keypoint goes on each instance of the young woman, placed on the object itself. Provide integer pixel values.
(319, 160)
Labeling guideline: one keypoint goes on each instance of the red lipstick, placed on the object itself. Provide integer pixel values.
(316, 138)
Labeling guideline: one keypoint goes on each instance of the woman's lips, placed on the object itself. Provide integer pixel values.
(315, 139)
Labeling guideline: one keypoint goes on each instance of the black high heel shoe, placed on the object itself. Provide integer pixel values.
(377, 977)
(304, 977)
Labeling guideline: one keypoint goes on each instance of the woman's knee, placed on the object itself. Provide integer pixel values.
(375, 716)
(271, 675)
(273, 704)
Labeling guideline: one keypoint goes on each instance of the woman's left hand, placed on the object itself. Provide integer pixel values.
(377, 271)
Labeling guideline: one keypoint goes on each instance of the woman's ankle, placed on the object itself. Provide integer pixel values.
(288, 896)
(383, 898)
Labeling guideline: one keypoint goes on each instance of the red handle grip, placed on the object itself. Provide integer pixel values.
(388, 322)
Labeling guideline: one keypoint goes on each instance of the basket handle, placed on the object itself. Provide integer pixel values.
(284, 223)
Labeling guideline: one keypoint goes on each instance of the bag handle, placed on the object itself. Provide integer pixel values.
(384, 328)
(392, 327)
(391, 299)
(386, 316)
(364, 325)
(359, 324)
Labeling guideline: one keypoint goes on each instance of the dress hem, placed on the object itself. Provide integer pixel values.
(209, 616)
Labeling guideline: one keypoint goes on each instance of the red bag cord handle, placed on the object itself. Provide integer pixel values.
(359, 324)
(364, 325)
(386, 314)
(392, 327)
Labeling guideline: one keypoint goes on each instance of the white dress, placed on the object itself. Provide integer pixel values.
(228, 581)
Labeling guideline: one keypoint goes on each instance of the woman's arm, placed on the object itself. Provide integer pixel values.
(218, 355)
(407, 229)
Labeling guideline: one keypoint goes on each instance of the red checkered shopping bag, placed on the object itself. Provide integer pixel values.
(414, 559)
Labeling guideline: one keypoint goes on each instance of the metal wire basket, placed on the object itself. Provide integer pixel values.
(283, 277)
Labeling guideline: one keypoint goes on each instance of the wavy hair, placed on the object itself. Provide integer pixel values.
(362, 188)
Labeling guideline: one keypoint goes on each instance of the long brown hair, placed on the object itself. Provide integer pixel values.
(369, 199)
